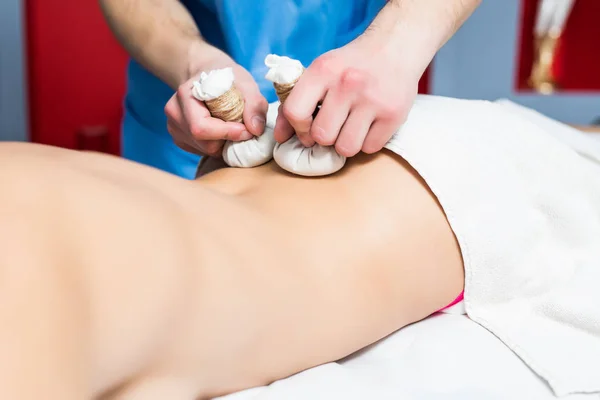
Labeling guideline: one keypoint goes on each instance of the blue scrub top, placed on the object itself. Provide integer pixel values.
(247, 30)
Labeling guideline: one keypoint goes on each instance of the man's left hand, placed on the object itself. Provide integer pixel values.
(365, 92)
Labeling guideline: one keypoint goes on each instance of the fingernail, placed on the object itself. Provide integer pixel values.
(258, 123)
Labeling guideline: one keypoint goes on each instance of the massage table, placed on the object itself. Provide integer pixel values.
(444, 356)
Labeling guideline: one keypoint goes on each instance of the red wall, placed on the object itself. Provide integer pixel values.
(76, 74)
(578, 54)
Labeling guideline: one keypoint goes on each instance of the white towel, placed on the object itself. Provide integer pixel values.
(522, 194)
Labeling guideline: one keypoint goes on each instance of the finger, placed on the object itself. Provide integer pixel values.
(352, 136)
(255, 106)
(283, 130)
(173, 112)
(305, 139)
(303, 100)
(331, 117)
(186, 142)
(189, 106)
(176, 133)
(182, 140)
(190, 149)
(200, 124)
(174, 120)
(212, 148)
(379, 134)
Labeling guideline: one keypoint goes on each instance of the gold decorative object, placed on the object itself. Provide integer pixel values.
(550, 23)
(542, 78)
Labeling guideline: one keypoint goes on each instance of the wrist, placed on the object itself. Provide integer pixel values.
(201, 56)
(400, 50)
(404, 38)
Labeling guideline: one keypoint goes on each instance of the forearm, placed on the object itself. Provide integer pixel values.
(159, 34)
(414, 30)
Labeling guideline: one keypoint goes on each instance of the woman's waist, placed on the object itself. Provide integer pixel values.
(304, 210)
(365, 179)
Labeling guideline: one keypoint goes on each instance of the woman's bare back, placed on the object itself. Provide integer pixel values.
(237, 279)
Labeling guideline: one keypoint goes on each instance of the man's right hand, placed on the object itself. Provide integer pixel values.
(191, 125)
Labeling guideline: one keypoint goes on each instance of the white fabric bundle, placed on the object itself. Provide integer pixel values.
(213, 84)
(292, 156)
(283, 70)
(246, 154)
(316, 160)
(256, 151)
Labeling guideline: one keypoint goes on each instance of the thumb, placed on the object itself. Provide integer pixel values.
(255, 107)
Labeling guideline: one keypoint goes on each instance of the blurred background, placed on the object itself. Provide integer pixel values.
(62, 74)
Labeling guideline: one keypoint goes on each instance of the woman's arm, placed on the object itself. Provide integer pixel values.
(161, 35)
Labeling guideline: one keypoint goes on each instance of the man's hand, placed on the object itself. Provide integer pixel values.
(162, 36)
(366, 93)
(191, 125)
(368, 86)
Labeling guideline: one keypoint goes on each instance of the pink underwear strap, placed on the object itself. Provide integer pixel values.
(460, 298)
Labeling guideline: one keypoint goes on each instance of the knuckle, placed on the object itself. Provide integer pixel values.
(169, 108)
(353, 78)
(325, 64)
(291, 114)
(261, 102)
(390, 110)
(182, 91)
(198, 132)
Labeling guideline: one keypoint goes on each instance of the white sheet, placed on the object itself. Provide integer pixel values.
(445, 357)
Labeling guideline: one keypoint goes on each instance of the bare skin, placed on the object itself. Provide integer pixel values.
(122, 282)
